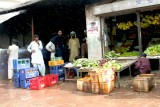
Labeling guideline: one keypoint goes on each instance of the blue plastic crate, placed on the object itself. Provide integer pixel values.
(29, 73)
(25, 83)
(21, 63)
(16, 73)
(61, 77)
(57, 69)
(17, 82)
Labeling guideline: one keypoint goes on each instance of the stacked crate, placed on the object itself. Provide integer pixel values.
(94, 82)
(98, 82)
(42, 82)
(23, 73)
(57, 67)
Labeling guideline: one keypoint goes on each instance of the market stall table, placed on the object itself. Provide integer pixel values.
(155, 57)
(66, 74)
(126, 64)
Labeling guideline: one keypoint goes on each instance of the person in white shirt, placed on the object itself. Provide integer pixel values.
(35, 48)
(13, 54)
(51, 47)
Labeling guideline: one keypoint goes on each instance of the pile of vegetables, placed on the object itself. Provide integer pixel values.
(123, 49)
(86, 63)
(155, 50)
(112, 64)
(103, 61)
(90, 64)
(130, 54)
(111, 54)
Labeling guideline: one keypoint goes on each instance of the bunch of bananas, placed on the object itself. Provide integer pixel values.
(146, 21)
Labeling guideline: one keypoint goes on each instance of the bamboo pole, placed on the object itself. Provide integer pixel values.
(32, 29)
(139, 32)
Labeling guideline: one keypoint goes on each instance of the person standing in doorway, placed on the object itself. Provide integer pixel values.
(74, 46)
(84, 49)
(56, 40)
(13, 54)
(35, 48)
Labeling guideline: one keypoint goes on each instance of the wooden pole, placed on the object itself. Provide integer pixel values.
(32, 29)
(139, 32)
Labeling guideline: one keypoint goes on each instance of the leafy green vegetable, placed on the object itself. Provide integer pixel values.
(86, 63)
(111, 54)
(155, 50)
(130, 54)
(112, 64)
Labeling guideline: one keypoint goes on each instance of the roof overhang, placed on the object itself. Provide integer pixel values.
(7, 6)
(125, 7)
(6, 17)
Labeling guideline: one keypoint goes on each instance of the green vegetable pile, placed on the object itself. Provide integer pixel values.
(112, 64)
(155, 50)
(86, 63)
(111, 54)
(130, 54)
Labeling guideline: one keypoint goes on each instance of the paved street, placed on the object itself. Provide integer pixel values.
(66, 95)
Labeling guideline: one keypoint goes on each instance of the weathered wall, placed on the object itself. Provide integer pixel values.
(94, 41)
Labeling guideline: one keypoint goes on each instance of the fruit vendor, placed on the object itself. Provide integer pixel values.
(142, 66)
(74, 46)
(56, 40)
(35, 48)
(13, 54)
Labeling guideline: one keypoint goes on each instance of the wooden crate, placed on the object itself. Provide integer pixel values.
(102, 77)
(106, 88)
(94, 76)
(144, 82)
(87, 86)
(95, 88)
(55, 63)
(80, 83)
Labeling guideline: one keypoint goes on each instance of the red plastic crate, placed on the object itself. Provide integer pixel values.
(37, 83)
(71, 74)
(51, 80)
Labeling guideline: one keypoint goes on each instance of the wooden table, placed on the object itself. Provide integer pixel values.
(126, 65)
(66, 74)
(155, 57)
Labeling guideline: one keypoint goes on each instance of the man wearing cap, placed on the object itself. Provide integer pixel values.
(13, 54)
(35, 48)
(74, 46)
(143, 65)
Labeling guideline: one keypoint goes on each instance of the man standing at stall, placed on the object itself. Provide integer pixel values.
(56, 40)
(35, 48)
(51, 48)
(13, 54)
(74, 46)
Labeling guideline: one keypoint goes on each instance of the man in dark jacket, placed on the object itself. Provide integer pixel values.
(143, 65)
(56, 40)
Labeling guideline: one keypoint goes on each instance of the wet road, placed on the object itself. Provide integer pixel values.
(66, 95)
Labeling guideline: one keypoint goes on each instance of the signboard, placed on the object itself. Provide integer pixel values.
(93, 27)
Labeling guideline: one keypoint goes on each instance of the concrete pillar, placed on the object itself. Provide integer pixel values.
(94, 40)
